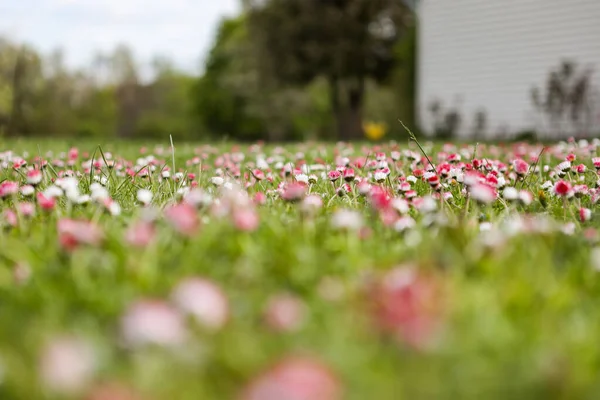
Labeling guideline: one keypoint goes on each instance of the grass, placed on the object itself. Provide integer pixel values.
(479, 299)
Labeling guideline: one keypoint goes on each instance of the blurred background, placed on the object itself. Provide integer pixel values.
(291, 70)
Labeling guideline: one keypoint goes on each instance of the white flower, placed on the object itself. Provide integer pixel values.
(302, 178)
(485, 226)
(404, 223)
(261, 164)
(183, 191)
(144, 196)
(347, 219)
(525, 197)
(217, 181)
(34, 178)
(83, 199)
(27, 190)
(198, 198)
(400, 205)
(380, 176)
(547, 185)
(114, 208)
(501, 182)
(510, 193)
(72, 194)
(53, 192)
(411, 179)
(166, 174)
(427, 205)
(564, 166)
(568, 228)
(98, 193)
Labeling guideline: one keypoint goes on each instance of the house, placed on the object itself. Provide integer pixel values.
(479, 61)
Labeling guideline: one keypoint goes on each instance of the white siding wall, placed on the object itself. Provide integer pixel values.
(488, 54)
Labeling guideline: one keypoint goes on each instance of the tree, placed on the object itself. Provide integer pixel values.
(20, 78)
(345, 41)
(222, 95)
(128, 93)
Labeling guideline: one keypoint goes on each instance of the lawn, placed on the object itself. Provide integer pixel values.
(299, 272)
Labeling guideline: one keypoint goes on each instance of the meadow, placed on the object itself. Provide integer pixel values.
(299, 272)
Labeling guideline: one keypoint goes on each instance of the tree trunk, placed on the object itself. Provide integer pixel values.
(15, 118)
(349, 124)
(348, 115)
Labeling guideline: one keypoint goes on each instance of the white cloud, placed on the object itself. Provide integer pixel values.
(181, 29)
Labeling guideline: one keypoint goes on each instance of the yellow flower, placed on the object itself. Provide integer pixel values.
(374, 131)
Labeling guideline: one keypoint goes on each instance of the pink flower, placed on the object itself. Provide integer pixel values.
(585, 214)
(348, 174)
(379, 198)
(407, 305)
(183, 218)
(293, 192)
(433, 180)
(404, 187)
(311, 204)
(27, 190)
(152, 322)
(364, 188)
(381, 174)
(344, 189)
(580, 169)
(581, 191)
(454, 158)
(334, 175)
(8, 188)
(596, 162)
(520, 167)
(34, 177)
(73, 153)
(483, 193)
(203, 300)
(295, 378)
(27, 209)
(72, 233)
(285, 313)
(260, 198)
(67, 365)
(140, 234)
(46, 203)
(258, 174)
(563, 189)
(246, 219)
(10, 217)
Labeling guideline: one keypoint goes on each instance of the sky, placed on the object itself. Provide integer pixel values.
(182, 30)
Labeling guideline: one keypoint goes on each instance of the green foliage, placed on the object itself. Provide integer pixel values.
(220, 102)
(351, 42)
(521, 308)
